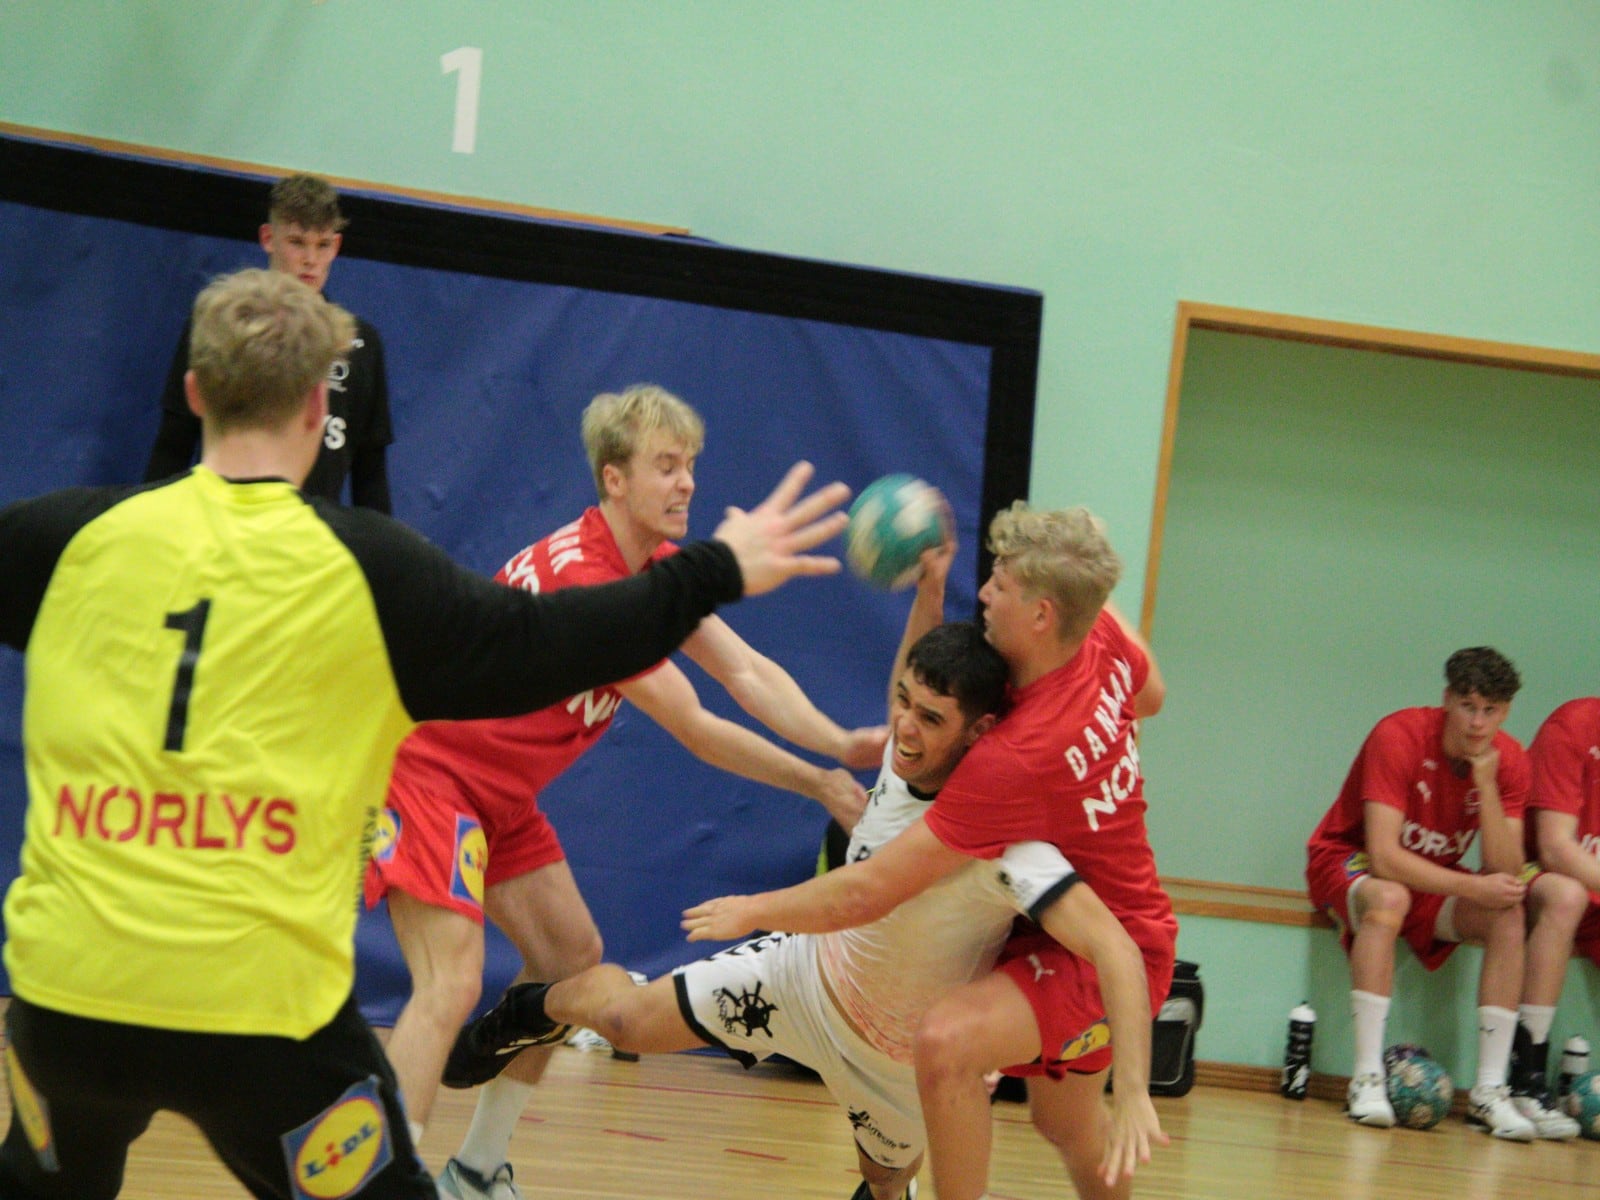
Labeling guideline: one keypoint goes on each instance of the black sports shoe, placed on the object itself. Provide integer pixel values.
(865, 1193)
(486, 1046)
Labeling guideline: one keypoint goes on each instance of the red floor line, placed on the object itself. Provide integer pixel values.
(754, 1154)
(628, 1133)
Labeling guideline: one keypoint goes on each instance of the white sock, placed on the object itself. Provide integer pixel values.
(1537, 1019)
(1369, 1014)
(488, 1140)
(1496, 1027)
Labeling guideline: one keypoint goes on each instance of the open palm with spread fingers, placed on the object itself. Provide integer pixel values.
(769, 540)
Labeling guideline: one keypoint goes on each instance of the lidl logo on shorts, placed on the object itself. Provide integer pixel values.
(472, 856)
(337, 1152)
(1357, 864)
(1096, 1037)
(32, 1112)
(386, 835)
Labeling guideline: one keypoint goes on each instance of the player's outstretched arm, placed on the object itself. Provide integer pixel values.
(770, 694)
(1081, 922)
(844, 897)
(769, 540)
(668, 698)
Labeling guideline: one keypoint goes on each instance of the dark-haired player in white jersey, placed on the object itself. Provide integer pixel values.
(847, 1004)
(1061, 767)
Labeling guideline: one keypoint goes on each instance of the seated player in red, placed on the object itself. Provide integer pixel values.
(1385, 863)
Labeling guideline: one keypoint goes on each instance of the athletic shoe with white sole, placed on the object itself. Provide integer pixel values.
(1491, 1110)
(460, 1182)
(1549, 1122)
(1366, 1101)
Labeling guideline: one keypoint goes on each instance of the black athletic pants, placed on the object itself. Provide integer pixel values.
(294, 1120)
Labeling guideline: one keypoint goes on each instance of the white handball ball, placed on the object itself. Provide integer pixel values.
(892, 522)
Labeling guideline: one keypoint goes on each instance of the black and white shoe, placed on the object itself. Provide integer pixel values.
(864, 1192)
(486, 1046)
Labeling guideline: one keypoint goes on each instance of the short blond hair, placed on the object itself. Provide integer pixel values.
(259, 342)
(1062, 556)
(615, 423)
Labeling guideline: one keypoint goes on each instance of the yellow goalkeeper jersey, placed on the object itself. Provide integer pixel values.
(217, 677)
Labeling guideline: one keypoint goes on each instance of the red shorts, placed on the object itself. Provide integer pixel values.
(1586, 938)
(1064, 993)
(434, 844)
(1331, 874)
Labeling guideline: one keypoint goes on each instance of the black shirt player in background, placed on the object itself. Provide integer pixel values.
(301, 236)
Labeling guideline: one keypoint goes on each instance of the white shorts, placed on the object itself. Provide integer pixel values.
(766, 997)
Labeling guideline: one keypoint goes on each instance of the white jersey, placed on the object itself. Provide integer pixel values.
(887, 974)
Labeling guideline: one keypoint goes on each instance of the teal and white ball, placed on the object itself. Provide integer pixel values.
(1583, 1104)
(892, 522)
(1420, 1091)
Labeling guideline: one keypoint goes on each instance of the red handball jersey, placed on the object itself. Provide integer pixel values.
(1566, 770)
(1063, 767)
(1403, 764)
(507, 761)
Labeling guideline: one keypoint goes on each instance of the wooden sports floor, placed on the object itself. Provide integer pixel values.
(687, 1126)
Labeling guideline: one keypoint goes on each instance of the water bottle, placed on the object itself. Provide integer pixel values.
(1574, 1062)
(1297, 1055)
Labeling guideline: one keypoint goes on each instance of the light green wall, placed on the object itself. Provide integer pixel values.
(1425, 164)
(1338, 522)
(1254, 974)
(1417, 164)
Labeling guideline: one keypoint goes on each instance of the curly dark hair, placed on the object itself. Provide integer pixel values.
(955, 659)
(1484, 670)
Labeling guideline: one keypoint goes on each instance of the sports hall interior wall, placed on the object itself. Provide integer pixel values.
(1427, 166)
(497, 333)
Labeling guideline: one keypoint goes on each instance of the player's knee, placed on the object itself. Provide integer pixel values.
(1559, 901)
(450, 996)
(1384, 907)
(621, 1018)
(1507, 927)
(564, 957)
(947, 1042)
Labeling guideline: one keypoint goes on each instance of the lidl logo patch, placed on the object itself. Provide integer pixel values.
(386, 835)
(472, 856)
(1096, 1037)
(337, 1152)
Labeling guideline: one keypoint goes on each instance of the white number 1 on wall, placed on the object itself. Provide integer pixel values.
(469, 61)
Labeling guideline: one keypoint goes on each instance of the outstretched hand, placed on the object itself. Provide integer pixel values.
(863, 748)
(768, 540)
(1134, 1127)
(719, 920)
(842, 795)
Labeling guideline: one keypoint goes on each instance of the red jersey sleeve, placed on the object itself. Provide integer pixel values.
(1389, 761)
(1556, 760)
